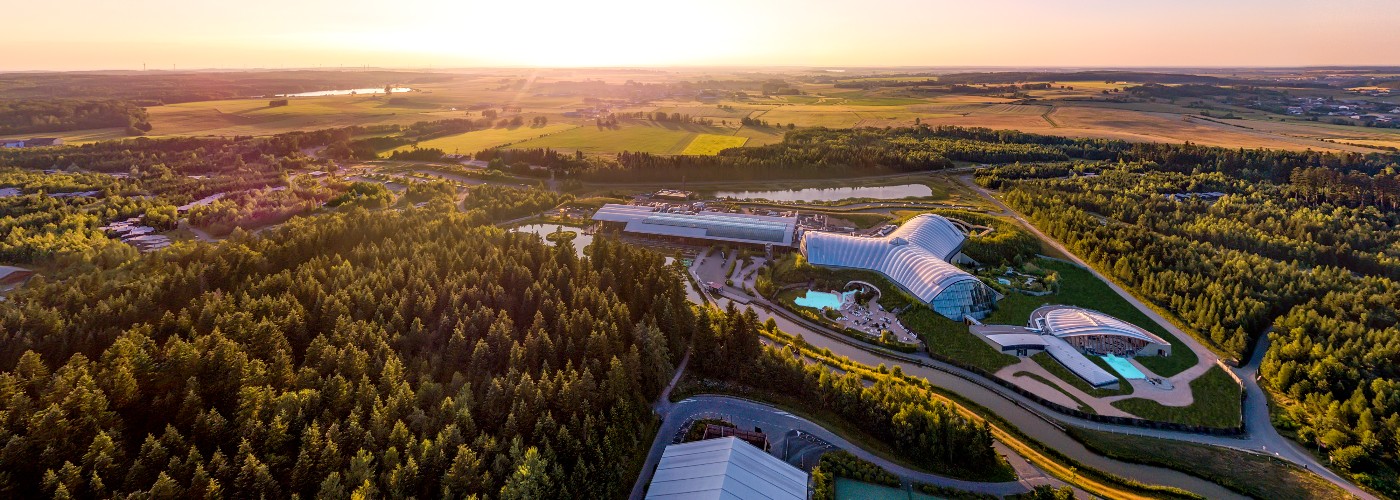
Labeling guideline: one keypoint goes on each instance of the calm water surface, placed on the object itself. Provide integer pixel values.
(833, 194)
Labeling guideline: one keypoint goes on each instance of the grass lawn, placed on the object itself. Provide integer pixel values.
(1217, 403)
(950, 338)
(1258, 476)
(471, 142)
(1079, 287)
(1082, 407)
(1062, 373)
(861, 220)
(711, 144)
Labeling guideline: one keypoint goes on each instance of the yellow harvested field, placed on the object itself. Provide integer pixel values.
(811, 116)
(255, 117)
(710, 144)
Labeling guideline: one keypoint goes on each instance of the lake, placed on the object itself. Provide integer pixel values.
(322, 93)
(834, 194)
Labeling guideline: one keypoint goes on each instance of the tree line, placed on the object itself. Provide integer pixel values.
(1316, 266)
(930, 433)
(373, 354)
(32, 116)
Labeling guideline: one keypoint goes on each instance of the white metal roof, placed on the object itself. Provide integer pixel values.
(1076, 362)
(1008, 340)
(915, 256)
(745, 228)
(1067, 321)
(724, 468)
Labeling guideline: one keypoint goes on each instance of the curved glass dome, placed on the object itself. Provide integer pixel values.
(915, 257)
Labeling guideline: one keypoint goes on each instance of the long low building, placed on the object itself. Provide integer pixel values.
(916, 258)
(1072, 334)
(724, 468)
(1097, 333)
(699, 227)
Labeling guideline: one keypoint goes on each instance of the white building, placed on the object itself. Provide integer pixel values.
(916, 257)
(724, 468)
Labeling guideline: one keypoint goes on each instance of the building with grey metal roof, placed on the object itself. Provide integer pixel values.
(1077, 362)
(724, 468)
(915, 257)
(1097, 333)
(665, 222)
(1072, 334)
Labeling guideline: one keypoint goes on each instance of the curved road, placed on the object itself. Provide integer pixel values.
(752, 413)
(1261, 436)
(1042, 425)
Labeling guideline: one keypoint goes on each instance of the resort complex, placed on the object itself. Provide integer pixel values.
(1070, 334)
(916, 258)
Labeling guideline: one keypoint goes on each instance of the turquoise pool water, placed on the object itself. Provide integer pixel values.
(850, 489)
(818, 300)
(1124, 368)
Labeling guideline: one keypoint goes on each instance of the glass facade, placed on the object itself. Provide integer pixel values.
(968, 297)
(913, 257)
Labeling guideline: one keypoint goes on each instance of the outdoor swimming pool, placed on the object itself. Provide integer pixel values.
(1123, 367)
(818, 300)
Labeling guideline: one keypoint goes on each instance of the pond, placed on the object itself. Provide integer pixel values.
(833, 194)
(323, 93)
(580, 241)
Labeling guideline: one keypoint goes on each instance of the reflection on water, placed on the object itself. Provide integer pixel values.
(322, 93)
(580, 241)
(833, 194)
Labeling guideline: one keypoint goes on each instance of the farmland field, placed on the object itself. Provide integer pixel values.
(709, 144)
(1056, 111)
(634, 135)
(470, 142)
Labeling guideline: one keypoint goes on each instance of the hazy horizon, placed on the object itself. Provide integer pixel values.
(420, 34)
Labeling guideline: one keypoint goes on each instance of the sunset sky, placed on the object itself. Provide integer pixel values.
(102, 34)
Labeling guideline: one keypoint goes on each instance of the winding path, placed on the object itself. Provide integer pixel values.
(761, 415)
(1047, 426)
(1261, 436)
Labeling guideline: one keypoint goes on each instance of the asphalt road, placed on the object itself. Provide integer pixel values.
(748, 414)
(1261, 436)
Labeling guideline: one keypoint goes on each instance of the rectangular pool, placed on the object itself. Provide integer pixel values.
(1123, 367)
(818, 300)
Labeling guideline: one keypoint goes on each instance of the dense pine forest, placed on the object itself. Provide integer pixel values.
(381, 354)
(931, 434)
(32, 117)
(1314, 258)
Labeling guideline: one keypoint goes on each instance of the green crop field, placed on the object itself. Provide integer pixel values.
(471, 142)
(709, 144)
(635, 136)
